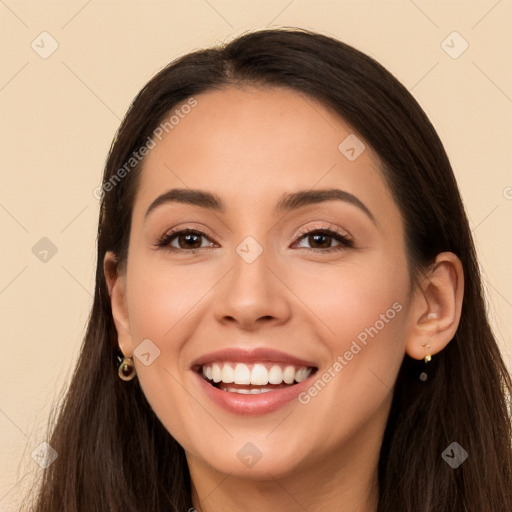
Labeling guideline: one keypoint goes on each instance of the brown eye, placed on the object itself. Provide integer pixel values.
(187, 240)
(321, 240)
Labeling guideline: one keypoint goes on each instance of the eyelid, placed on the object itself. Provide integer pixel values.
(324, 227)
(192, 227)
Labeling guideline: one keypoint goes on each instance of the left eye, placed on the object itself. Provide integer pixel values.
(320, 235)
(189, 240)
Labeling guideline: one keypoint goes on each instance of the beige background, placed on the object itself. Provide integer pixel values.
(59, 114)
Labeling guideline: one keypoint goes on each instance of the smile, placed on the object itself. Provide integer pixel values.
(254, 381)
(253, 378)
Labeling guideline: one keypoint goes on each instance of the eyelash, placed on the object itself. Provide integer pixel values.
(345, 241)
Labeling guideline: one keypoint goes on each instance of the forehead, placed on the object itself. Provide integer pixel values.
(251, 144)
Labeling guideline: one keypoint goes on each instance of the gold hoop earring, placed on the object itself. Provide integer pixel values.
(127, 369)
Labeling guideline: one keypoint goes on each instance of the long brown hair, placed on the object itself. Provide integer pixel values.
(114, 454)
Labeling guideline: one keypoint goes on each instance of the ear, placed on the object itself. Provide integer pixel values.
(116, 283)
(436, 309)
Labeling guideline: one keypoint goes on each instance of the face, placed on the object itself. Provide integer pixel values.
(258, 284)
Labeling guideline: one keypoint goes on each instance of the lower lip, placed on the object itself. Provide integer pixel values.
(249, 404)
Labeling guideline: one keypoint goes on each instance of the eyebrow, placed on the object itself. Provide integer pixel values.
(286, 203)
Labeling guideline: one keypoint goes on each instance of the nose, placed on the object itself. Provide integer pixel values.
(253, 294)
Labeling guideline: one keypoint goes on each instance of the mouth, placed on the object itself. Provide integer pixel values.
(253, 378)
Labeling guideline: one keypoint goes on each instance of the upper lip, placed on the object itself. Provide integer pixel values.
(255, 355)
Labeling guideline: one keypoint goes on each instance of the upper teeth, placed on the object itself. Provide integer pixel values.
(257, 374)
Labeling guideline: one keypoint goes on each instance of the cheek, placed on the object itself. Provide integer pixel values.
(366, 320)
(160, 297)
(367, 337)
(358, 301)
(160, 302)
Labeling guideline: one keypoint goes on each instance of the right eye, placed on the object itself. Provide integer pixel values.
(187, 240)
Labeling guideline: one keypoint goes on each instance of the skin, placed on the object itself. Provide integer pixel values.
(250, 145)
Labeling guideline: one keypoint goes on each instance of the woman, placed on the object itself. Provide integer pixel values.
(288, 311)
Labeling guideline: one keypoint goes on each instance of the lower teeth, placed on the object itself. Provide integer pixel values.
(248, 391)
